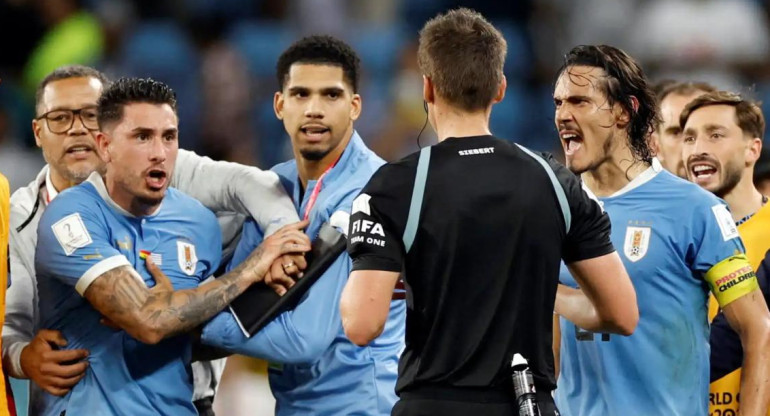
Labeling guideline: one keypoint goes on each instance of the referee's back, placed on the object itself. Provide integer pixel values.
(478, 226)
(483, 267)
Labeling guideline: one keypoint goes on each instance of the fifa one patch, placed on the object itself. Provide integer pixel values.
(636, 243)
(186, 256)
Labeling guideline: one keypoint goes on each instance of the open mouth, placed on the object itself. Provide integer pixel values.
(79, 150)
(572, 142)
(702, 171)
(156, 178)
(314, 131)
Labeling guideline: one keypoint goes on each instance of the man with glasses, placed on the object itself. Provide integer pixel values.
(65, 129)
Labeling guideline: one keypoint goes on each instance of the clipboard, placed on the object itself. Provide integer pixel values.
(259, 304)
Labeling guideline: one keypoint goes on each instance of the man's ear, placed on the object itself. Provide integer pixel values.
(278, 105)
(37, 125)
(103, 142)
(355, 107)
(753, 151)
(623, 116)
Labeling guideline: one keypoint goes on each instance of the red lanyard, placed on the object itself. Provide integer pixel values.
(317, 190)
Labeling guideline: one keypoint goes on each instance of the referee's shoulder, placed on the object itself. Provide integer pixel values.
(407, 163)
(394, 175)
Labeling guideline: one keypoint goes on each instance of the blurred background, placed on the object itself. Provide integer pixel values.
(220, 55)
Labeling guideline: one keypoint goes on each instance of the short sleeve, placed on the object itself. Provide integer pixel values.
(714, 236)
(378, 218)
(589, 231)
(73, 243)
(717, 253)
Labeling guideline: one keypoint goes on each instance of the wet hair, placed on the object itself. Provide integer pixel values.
(320, 50)
(748, 113)
(623, 82)
(128, 91)
(67, 72)
(463, 55)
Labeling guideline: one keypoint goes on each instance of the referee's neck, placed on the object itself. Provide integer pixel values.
(450, 122)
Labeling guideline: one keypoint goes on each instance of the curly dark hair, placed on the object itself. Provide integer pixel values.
(624, 80)
(67, 72)
(320, 49)
(132, 90)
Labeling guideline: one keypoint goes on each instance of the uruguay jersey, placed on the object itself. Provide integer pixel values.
(671, 234)
(84, 234)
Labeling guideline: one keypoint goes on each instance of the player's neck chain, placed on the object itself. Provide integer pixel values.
(748, 217)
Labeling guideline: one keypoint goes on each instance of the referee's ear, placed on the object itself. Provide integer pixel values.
(428, 93)
(500, 91)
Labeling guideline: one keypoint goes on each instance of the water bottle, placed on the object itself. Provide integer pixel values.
(524, 387)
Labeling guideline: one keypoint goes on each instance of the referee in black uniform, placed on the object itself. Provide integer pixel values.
(479, 227)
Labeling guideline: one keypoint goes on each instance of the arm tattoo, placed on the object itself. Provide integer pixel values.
(122, 298)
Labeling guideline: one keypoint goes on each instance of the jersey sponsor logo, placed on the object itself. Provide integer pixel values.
(479, 151)
(725, 221)
(361, 204)
(71, 233)
(186, 256)
(637, 242)
(95, 256)
(124, 244)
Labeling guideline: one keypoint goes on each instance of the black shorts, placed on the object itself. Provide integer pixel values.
(435, 402)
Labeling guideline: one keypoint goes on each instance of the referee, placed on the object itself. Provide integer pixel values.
(478, 226)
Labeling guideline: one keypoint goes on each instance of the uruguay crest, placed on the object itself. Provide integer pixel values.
(637, 242)
(187, 257)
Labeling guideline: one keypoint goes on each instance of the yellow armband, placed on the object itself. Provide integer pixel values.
(731, 278)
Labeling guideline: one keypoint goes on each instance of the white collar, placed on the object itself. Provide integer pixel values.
(50, 189)
(97, 181)
(641, 179)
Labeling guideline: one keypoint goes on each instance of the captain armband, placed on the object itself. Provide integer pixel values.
(731, 278)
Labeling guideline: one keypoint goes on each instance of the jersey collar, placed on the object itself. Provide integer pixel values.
(49, 188)
(98, 182)
(641, 179)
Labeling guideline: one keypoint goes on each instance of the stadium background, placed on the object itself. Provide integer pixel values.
(219, 56)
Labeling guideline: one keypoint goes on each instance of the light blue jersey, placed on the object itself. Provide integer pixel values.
(315, 369)
(84, 234)
(669, 233)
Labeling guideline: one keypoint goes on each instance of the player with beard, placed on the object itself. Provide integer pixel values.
(93, 241)
(677, 240)
(722, 143)
(314, 368)
(65, 127)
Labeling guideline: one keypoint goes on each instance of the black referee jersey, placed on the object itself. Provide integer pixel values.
(480, 254)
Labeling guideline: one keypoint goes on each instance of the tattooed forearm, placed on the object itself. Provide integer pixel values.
(151, 315)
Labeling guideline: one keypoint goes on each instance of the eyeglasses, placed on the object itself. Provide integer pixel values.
(59, 121)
